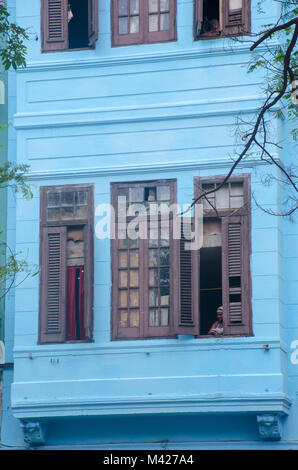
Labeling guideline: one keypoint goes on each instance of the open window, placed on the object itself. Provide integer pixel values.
(66, 259)
(218, 18)
(225, 255)
(69, 24)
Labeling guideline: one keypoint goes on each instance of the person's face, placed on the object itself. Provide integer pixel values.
(219, 315)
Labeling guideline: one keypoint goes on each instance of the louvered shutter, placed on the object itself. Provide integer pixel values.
(235, 277)
(54, 25)
(235, 17)
(187, 318)
(92, 21)
(53, 285)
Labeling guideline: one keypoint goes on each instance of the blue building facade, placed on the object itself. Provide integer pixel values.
(136, 115)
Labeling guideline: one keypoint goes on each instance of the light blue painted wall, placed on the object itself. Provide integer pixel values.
(139, 113)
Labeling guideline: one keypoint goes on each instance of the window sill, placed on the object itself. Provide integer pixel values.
(88, 48)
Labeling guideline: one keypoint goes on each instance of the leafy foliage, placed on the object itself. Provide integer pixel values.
(13, 51)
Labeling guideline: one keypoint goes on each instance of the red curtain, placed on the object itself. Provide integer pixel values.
(75, 328)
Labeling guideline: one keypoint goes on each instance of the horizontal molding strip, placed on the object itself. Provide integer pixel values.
(141, 58)
(180, 345)
(216, 403)
(131, 114)
(144, 168)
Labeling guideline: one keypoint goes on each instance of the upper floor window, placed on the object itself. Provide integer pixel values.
(66, 259)
(143, 21)
(224, 272)
(68, 24)
(217, 18)
(161, 288)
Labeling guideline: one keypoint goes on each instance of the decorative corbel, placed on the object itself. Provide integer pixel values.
(34, 433)
(269, 427)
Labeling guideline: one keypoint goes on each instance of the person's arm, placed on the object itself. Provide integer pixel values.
(212, 330)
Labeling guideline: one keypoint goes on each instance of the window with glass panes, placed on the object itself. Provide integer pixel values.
(66, 260)
(143, 260)
(143, 21)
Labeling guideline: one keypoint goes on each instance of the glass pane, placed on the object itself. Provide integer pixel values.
(164, 317)
(136, 194)
(123, 318)
(123, 259)
(53, 199)
(210, 203)
(134, 24)
(153, 23)
(164, 236)
(53, 214)
(122, 241)
(153, 277)
(165, 296)
(134, 259)
(165, 256)
(164, 5)
(153, 237)
(164, 275)
(123, 25)
(133, 243)
(222, 197)
(81, 198)
(236, 189)
(122, 7)
(236, 202)
(123, 278)
(134, 7)
(134, 298)
(164, 22)
(153, 297)
(67, 212)
(153, 257)
(134, 318)
(67, 198)
(123, 193)
(123, 298)
(235, 4)
(80, 212)
(163, 193)
(153, 6)
(153, 317)
(134, 278)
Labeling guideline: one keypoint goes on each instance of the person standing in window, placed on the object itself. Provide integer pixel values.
(217, 327)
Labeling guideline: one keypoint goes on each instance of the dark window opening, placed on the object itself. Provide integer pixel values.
(211, 18)
(210, 286)
(150, 194)
(75, 329)
(78, 24)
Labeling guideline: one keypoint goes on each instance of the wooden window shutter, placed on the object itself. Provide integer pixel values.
(54, 25)
(198, 18)
(53, 285)
(92, 21)
(187, 318)
(235, 275)
(235, 21)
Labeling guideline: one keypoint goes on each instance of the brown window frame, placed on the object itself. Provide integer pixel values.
(144, 331)
(185, 271)
(242, 218)
(60, 227)
(230, 26)
(59, 41)
(143, 36)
